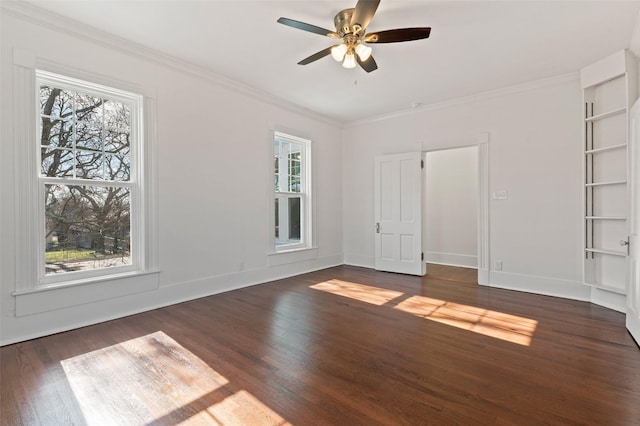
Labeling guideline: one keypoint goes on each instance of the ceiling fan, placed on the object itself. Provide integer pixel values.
(350, 28)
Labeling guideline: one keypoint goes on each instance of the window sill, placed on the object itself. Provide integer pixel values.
(83, 281)
(79, 292)
(284, 257)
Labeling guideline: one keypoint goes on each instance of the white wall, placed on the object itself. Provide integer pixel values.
(534, 154)
(214, 231)
(213, 178)
(451, 207)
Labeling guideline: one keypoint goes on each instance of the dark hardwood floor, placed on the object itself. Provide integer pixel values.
(343, 346)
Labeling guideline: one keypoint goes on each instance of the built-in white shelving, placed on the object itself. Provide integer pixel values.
(607, 148)
(607, 114)
(609, 252)
(613, 182)
(605, 218)
(609, 88)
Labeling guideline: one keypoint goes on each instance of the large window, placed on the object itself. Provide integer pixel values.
(292, 192)
(89, 182)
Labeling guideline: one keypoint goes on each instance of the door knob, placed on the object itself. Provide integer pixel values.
(625, 243)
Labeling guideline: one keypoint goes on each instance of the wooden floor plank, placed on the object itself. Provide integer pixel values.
(344, 345)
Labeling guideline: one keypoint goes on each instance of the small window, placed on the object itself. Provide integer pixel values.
(89, 178)
(292, 192)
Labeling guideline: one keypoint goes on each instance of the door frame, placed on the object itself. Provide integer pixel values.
(632, 319)
(482, 144)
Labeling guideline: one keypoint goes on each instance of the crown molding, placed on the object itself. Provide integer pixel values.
(50, 20)
(61, 24)
(505, 91)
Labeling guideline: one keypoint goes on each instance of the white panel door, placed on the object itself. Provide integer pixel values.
(398, 214)
(633, 260)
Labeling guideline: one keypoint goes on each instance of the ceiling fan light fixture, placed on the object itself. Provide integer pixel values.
(338, 52)
(351, 31)
(363, 51)
(349, 60)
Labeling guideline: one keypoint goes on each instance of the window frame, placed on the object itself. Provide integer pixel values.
(135, 105)
(29, 297)
(135, 102)
(305, 194)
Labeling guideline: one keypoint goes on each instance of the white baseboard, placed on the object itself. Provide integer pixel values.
(17, 329)
(574, 290)
(547, 286)
(451, 259)
(483, 276)
(431, 257)
(608, 299)
(359, 260)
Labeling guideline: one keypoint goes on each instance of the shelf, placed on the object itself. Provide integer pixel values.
(605, 218)
(607, 148)
(605, 114)
(609, 252)
(613, 182)
(607, 288)
(608, 87)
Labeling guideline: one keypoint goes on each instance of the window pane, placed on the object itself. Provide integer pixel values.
(56, 132)
(277, 219)
(90, 126)
(288, 225)
(89, 164)
(87, 227)
(294, 168)
(89, 109)
(294, 184)
(88, 135)
(294, 219)
(116, 141)
(56, 104)
(57, 162)
(117, 167)
(117, 117)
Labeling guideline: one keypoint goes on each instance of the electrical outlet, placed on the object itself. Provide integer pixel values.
(500, 195)
(498, 265)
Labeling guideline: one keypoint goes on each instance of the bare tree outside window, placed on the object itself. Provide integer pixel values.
(85, 147)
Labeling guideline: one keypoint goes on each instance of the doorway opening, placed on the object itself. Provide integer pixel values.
(400, 197)
(451, 212)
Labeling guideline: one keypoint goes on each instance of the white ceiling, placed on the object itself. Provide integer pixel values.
(475, 46)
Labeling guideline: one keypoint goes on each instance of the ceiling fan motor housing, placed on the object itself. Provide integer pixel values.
(342, 22)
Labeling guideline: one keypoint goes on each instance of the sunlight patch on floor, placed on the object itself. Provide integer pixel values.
(364, 293)
(154, 380)
(499, 325)
(241, 408)
(502, 326)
